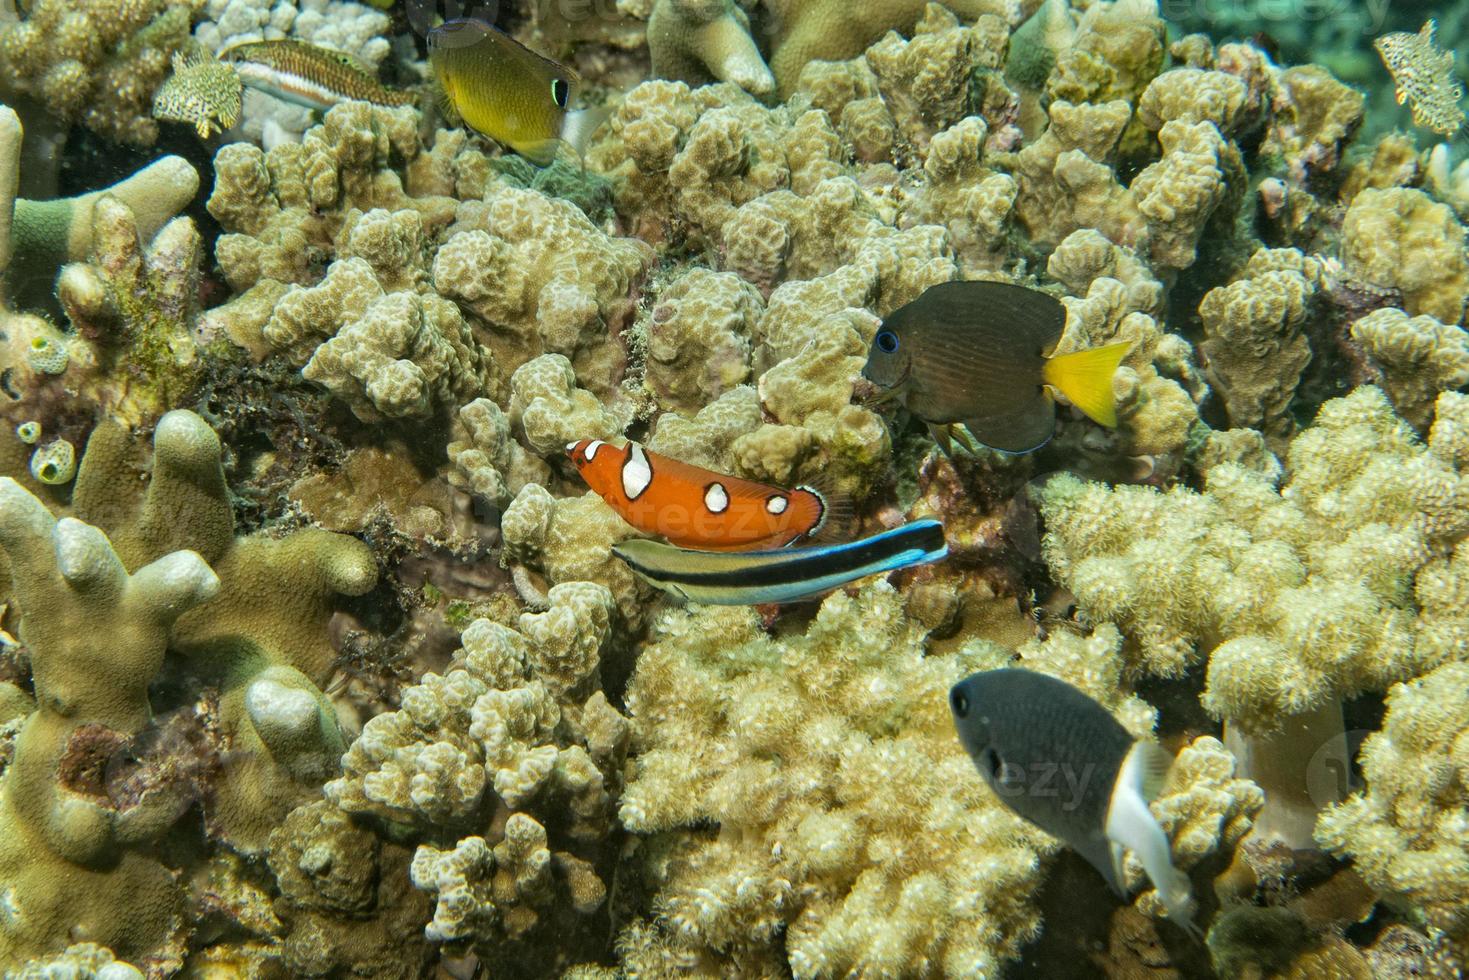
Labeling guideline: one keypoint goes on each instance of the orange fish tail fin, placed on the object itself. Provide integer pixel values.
(838, 516)
(1085, 378)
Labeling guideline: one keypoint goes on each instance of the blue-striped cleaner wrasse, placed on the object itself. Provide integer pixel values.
(504, 90)
(750, 578)
(980, 354)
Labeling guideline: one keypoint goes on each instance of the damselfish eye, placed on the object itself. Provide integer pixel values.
(960, 702)
(887, 342)
(560, 92)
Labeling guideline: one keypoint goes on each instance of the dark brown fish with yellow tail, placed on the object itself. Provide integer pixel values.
(506, 91)
(307, 75)
(979, 354)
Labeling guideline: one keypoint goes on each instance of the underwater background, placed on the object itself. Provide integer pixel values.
(359, 358)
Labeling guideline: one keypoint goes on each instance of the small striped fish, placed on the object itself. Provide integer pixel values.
(734, 578)
(303, 74)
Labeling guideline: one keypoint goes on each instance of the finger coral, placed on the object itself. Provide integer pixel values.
(1271, 585)
(819, 757)
(1401, 831)
(490, 749)
(75, 850)
(95, 60)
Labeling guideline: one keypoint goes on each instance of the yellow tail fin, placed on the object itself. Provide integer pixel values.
(1085, 378)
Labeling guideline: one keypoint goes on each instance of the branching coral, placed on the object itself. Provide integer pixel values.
(1404, 832)
(846, 814)
(96, 60)
(492, 749)
(262, 641)
(1254, 346)
(1276, 587)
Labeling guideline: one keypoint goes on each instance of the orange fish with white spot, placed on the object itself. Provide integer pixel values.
(693, 507)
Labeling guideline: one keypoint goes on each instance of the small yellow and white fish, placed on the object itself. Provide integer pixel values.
(202, 91)
(979, 353)
(1061, 761)
(751, 578)
(306, 75)
(504, 90)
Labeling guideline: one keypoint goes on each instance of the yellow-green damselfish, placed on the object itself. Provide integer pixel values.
(506, 91)
(979, 353)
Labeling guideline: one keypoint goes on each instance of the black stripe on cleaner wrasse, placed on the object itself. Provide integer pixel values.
(1026, 730)
(980, 354)
(749, 578)
(504, 90)
(307, 75)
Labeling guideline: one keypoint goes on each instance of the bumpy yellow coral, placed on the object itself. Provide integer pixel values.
(1179, 194)
(1066, 180)
(1400, 239)
(1404, 832)
(374, 341)
(99, 60)
(541, 278)
(695, 339)
(846, 812)
(1417, 356)
(1275, 584)
(1254, 348)
(570, 540)
(1194, 95)
(490, 736)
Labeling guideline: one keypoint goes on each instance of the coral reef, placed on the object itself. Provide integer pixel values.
(1398, 832)
(1273, 586)
(235, 741)
(508, 745)
(98, 61)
